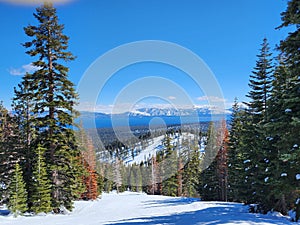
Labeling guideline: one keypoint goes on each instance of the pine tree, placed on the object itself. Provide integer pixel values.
(285, 116)
(100, 181)
(260, 84)
(5, 166)
(255, 136)
(108, 178)
(212, 146)
(191, 172)
(41, 196)
(132, 178)
(52, 102)
(235, 154)
(22, 106)
(9, 149)
(138, 179)
(18, 194)
(170, 168)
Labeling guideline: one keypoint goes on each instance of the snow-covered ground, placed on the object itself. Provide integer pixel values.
(156, 145)
(148, 152)
(136, 209)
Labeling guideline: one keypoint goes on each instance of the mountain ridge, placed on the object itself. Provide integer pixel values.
(165, 112)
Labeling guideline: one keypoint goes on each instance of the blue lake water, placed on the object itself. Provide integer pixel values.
(108, 122)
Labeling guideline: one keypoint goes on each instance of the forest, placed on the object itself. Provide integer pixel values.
(47, 160)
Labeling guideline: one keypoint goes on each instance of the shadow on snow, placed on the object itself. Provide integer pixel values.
(218, 213)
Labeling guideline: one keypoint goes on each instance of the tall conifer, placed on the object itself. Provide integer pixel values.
(285, 115)
(53, 99)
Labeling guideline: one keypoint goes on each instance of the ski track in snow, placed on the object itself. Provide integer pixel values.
(130, 208)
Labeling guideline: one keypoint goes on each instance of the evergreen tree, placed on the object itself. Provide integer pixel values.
(53, 98)
(170, 168)
(290, 139)
(9, 149)
(41, 196)
(117, 174)
(191, 173)
(285, 117)
(208, 185)
(100, 183)
(138, 179)
(235, 155)
(108, 178)
(4, 149)
(132, 178)
(212, 146)
(18, 194)
(260, 84)
(23, 106)
(255, 144)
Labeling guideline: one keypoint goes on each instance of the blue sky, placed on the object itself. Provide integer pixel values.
(225, 34)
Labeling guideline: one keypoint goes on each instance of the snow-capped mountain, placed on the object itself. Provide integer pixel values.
(142, 116)
(196, 111)
(160, 112)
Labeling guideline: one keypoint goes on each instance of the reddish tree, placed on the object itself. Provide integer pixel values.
(179, 177)
(90, 179)
(222, 167)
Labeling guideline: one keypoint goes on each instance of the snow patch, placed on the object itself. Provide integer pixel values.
(287, 110)
(247, 161)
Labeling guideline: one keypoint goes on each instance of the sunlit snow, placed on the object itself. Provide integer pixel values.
(140, 209)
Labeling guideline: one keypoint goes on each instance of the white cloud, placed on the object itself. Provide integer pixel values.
(240, 104)
(28, 68)
(172, 98)
(15, 72)
(211, 99)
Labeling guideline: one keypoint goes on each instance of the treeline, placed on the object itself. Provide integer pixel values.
(177, 169)
(43, 166)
